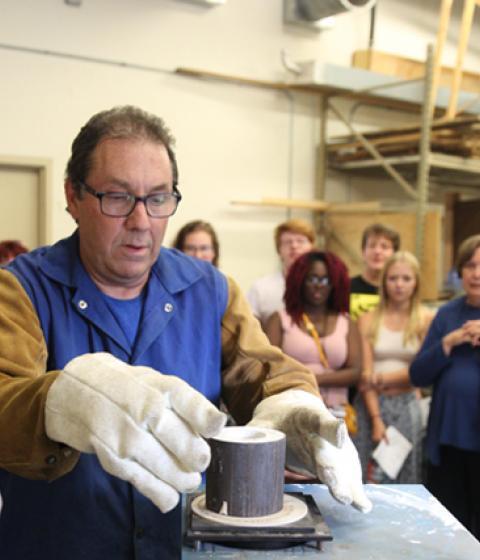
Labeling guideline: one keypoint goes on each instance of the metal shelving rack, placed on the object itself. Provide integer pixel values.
(461, 170)
(419, 193)
(420, 166)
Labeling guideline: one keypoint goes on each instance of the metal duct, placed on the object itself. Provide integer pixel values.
(313, 10)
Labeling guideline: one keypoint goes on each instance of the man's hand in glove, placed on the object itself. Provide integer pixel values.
(145, 427)
(317, 443)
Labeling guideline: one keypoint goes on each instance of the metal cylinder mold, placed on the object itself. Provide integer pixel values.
(246, 473)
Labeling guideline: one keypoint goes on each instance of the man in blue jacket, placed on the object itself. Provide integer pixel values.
(96, 444)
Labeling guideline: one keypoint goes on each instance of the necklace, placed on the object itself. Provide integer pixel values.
(312, 331)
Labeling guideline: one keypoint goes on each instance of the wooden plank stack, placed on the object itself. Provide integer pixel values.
(459, 136)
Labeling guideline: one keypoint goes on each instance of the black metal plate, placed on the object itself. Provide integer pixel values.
(311, 527)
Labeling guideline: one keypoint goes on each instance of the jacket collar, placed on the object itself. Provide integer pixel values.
(174, 270)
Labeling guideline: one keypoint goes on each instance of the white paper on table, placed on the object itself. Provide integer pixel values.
(391, 456)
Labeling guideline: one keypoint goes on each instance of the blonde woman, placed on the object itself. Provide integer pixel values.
(391, 336)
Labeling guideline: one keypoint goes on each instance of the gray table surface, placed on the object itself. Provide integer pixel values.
(406, 522)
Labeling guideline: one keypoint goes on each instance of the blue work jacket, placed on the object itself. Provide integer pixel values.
(89, 514)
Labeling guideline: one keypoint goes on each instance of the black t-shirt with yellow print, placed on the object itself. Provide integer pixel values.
(363, 296)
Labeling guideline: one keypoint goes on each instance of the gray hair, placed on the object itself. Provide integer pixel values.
(466, 250)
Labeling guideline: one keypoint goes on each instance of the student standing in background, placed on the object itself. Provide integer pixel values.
(198, 239)
(391, 335)
(315, 328)
(379, 242)
(292, 239)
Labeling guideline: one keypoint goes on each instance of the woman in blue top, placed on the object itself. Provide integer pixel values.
(450, 361)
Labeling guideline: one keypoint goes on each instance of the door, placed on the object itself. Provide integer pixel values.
(465, 221)
(23, 201)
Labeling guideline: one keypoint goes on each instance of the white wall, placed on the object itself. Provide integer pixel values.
(233, 142)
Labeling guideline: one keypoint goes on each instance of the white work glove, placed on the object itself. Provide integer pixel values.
(144, 427)
(318, 440)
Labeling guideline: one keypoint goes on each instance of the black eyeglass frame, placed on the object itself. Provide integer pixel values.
(136, 199)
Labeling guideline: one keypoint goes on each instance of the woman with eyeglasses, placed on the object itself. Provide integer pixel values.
(198, 239)
(449, 360)
(315, 327)
(391, 336)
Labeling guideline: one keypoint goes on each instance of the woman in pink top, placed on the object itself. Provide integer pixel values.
(315, 328)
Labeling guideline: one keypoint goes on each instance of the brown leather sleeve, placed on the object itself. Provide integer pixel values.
(24, 382)
(252, 368)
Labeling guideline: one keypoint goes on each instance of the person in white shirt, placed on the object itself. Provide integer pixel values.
(292, 239)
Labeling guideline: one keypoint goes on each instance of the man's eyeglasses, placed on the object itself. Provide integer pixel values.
(122, 204)
(314, 280)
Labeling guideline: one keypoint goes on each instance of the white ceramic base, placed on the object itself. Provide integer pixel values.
(293, 510)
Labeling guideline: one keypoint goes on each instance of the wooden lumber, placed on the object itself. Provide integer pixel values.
(465, 27)
(307, 88)
(457, 137)
(207, 75)
(445, 10)
(375, 154)
(314, 205)
(457, 122)
(409, 68)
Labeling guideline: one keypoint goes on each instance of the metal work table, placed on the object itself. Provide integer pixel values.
(406, 522)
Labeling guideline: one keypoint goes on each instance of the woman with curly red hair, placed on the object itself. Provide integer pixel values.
(9, 249)
(315, 327)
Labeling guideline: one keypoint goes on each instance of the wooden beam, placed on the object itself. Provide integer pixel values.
(377, 155)
(408, 68)
(381, 141)
(311, 89)
(466, 25)
(206, 75)
(460, 137)
(440, 43)
(314, 205)
(443, 123)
